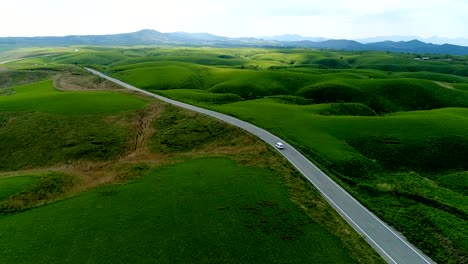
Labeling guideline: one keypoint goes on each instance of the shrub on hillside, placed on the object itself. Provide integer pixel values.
(291, 99)
(333, 63)
(332, 93)
(429, 155)
(351, 109)
(244, 90)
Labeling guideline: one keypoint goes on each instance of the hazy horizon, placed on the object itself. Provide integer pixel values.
(335, 19)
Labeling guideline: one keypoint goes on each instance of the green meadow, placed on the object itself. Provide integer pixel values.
(201, 211)
(388, 127)
(43, 97)
(42, 126)
(12, 185)
(108, 176)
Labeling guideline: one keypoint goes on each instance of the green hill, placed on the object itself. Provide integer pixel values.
(98, 176)
(388, 127)
(207, 210)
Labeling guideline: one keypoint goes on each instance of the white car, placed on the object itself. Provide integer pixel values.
(279, 145)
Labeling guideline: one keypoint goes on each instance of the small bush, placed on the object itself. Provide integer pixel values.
(332, 93)
(291, 99)
(243, 89)
(351, 109)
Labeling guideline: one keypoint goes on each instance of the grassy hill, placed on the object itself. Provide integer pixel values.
(43, 97)
(42, 126)
(201, 211)
(388, 127)
(97, 175)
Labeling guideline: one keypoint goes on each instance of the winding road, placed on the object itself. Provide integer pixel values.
(390, 244)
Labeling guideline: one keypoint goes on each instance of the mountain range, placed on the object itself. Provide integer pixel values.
(434, 40)
(153, 37)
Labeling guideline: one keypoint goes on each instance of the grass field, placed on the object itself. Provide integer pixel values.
(42, 126)
(36, 139)
(15, 78)
(100, 176)
(396, 164)
(43, 97)
(13, 185)
(201, 211)
(392, 163)
(388, 127)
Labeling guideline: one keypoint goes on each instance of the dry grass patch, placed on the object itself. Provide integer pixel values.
(77, 81)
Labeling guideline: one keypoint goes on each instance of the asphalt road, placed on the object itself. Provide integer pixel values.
(390, 244)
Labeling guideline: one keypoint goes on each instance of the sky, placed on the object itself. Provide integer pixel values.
(350, 19)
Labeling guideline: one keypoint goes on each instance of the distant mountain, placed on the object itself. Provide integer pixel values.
(153, 37)
(291, 38)
(413, 46)
(386, 38)
(434, 40)
(336, 44)
(416, 46)
(142, 37)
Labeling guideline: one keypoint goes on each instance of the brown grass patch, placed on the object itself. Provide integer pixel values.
(71, 81)
(237, 144)
(139, 125)
(118, 170)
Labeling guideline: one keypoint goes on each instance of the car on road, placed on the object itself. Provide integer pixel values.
(279, 145)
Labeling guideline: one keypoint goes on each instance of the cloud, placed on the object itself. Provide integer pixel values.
(331, 18)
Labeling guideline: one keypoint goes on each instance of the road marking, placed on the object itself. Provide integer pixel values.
(369, 212)
(343, 213)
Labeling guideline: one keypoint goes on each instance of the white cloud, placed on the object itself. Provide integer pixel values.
(331, 18)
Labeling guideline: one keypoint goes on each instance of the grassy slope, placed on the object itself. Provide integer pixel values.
(9, 79)
(202, 211)
(13, 185)
(36, 139)
(42, 126)
(44, 98)
(383, 82)
(382, 92)
(44, 136)
(433, 143)
(407, 166)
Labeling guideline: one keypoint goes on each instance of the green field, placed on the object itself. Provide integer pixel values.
(107, 176)
(43, 97)
(42, 126)
(13, 185)
(201, 211)
(396, 164)
(386, 126)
